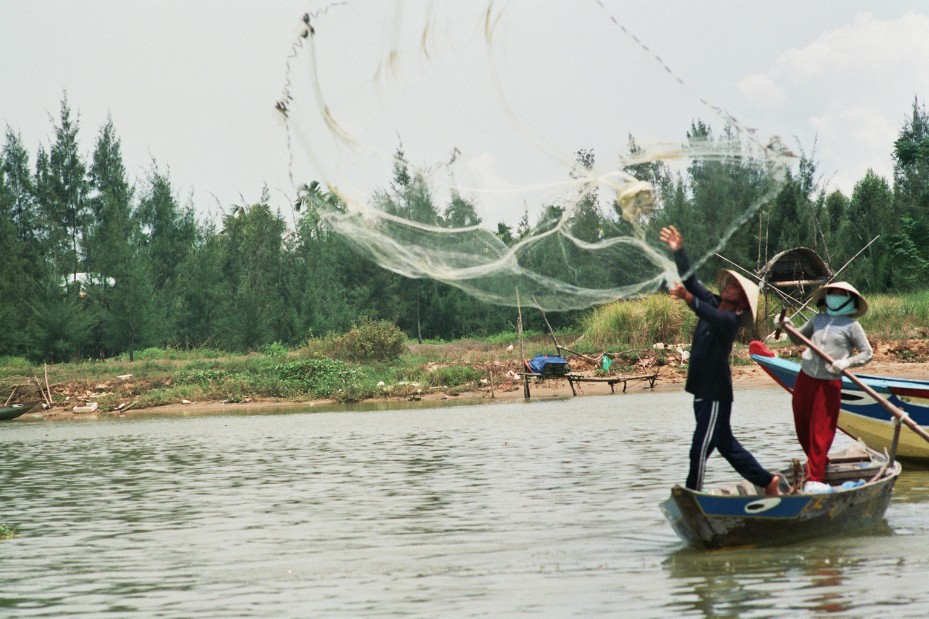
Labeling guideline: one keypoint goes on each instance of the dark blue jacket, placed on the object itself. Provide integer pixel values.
(708, 374)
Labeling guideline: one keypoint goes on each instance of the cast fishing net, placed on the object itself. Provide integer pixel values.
(504, 148)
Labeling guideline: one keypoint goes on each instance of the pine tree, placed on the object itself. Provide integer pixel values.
(62, 176)
(129, 317)
(253, 311)
(22, 262)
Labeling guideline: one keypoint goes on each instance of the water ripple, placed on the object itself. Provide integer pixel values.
(546, 508)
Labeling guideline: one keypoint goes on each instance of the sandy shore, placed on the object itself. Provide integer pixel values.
(669, 379)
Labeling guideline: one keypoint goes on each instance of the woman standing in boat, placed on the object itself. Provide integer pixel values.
(709, 376)
(818, 390)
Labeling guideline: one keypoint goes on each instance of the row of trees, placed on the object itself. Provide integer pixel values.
(94, 266)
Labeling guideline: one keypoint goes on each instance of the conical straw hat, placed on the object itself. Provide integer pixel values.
(748, 287)
(820, 294)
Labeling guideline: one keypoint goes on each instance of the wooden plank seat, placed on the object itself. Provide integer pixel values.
(573, 379)
(612, 381)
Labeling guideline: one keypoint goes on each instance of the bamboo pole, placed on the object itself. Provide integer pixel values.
(551, 331)
(522, 354)
(519, 329)
(45, 398)
(558, 346)
(799, 282)
(47, 388)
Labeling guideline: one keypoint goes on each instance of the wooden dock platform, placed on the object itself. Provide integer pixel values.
(573, 379)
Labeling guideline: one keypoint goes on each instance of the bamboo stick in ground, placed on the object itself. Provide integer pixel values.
(42, 391)
(46, 386)
(522, 356)
(519, 330)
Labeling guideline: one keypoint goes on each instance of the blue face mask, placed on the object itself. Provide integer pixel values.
(837, 305)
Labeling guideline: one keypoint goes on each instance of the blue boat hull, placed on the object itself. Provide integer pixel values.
(861, 415)
(740, 516)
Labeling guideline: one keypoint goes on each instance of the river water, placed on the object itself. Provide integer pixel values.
(545, 508)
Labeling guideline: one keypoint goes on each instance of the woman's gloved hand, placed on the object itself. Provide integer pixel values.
(837, 366)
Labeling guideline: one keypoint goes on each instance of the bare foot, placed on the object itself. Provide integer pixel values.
(773, 488)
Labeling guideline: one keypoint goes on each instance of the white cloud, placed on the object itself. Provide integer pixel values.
(762, 90)
(868, 48)
(849, 90)
(854, 141)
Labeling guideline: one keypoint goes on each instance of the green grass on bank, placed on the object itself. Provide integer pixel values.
(896, 317)
(338, 367)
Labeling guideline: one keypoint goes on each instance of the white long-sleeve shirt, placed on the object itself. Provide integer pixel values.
(839, 337)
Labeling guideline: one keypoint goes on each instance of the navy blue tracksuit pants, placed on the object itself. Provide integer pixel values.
(714, 432)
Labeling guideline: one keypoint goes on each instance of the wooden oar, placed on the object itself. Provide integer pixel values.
(893, 410)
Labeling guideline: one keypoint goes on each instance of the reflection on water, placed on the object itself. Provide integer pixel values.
(545, 508)
(818, 576)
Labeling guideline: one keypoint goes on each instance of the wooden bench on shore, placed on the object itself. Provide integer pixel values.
(612, 381)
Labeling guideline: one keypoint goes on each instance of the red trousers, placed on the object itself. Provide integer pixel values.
(816, 415)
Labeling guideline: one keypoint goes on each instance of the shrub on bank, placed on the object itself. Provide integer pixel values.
(171, 353)
(378, 340)
(15, 363)
(455, 376)
(371, 340)
(316, 377)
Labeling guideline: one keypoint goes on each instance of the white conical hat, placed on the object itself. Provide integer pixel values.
(820, 294)
(748, 287)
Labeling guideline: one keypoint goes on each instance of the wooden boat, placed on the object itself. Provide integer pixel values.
(862, 416)
(741, 514)
(15, 410)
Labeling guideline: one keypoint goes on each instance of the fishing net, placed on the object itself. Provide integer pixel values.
(507, 149)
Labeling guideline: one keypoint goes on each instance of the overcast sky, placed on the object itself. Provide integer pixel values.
(192, 85)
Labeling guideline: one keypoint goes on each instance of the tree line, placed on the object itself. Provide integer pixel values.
(95, 266)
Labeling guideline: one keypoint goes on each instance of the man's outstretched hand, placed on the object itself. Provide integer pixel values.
(679, 292)
(672, 237)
